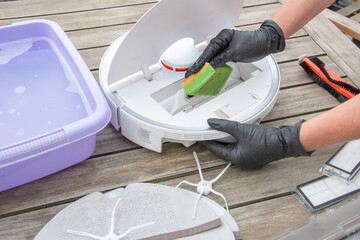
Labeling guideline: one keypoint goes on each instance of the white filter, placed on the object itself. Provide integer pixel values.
(345, 163)
(325, 191)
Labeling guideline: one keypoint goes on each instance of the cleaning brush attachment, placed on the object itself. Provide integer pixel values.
(327, 79)
(204, 187)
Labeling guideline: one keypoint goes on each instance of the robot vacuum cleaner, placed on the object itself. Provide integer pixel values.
(141, 75)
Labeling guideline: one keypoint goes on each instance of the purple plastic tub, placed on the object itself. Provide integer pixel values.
(50, 104)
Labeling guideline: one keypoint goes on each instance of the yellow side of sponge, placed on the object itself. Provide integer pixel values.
(197, 80)
(208, 81)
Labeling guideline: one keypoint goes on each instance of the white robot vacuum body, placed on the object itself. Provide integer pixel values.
(141, 75)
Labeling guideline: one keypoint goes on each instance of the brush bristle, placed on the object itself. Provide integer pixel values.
(341, 98)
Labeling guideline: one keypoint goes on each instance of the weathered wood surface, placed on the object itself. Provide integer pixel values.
(241, 188)
(27, 8)
(256, 221)
(31, 8)
(356, 17)
(116, 162)
(346, 25)
(351, 9)
(340, 49)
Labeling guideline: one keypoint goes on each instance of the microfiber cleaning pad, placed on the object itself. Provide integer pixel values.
(208, 81)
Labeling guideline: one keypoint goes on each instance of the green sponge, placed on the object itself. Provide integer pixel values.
(208, 81)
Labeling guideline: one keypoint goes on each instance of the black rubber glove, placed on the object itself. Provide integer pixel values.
(257, 145)
(241, 46)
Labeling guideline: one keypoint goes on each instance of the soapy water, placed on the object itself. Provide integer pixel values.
(36, 86)
(20, 132)
(12, 50)
(11, 111)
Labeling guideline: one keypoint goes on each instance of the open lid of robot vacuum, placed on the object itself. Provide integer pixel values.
(141, 76)
(164, 24)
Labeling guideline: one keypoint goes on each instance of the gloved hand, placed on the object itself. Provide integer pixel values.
(241, 46)
(257, 145)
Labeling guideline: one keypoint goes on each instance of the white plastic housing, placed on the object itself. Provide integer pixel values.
(151, 110)
(179, 56)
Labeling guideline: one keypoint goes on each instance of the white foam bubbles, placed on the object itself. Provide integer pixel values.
(20, 89)
(11, 111)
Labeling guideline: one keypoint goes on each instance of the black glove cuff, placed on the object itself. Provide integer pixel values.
(277, 36)
(294, 144)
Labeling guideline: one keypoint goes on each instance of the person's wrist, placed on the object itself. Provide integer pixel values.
(295, 148)
(276, 36)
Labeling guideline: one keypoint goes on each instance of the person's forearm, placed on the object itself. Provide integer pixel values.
(340, 124)
(294, 14)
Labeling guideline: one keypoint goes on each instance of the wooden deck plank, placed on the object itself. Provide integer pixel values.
(103, 173)
(88, 38)
(27, 225)
(256, 221)
(337, 46)
(107, 172)
(36, 8)
(92, 52)
(301, 100)
(352, 8)
(257, 14)
(266, 219)
(294, 49)
(94, 18)
(293, 120)
(113, 168)
(293, 74)
(249, 3)
(356, 17)
(18, 9)
(346, 25)
(92, 57)
(241, 187)
(252, 27)
(107, 23)
(109, 140)
(128, 15)
(249, 187)
(249, 184)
